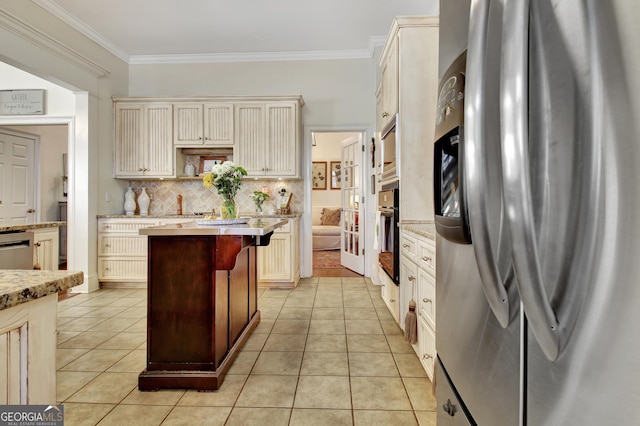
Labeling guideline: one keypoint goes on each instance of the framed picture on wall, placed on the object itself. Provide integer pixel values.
(319, 175)
(337, 175)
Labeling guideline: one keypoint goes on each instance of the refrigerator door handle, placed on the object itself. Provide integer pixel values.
(474, 164)
(516, 178)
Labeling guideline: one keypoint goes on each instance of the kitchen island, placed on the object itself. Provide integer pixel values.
(28, 307)
(202, 300)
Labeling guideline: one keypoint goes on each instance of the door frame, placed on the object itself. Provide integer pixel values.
(306, 240)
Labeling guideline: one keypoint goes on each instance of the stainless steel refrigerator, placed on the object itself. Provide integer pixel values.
(537, 186)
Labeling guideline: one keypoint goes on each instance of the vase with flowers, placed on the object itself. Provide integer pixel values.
(259, 198)
(227, 179)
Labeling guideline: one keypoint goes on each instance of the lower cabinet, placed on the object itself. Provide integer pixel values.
(46, 247)
(418, 282)
(390, 294)
(122, 252)
(279, 262)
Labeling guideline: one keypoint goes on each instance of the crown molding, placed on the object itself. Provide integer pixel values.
(248, 57)
(376, 41)
(83, 28)
(47, 43)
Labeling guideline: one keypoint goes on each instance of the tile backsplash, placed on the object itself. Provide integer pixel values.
(197, 198)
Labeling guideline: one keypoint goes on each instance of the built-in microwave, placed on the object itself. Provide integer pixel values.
(390, 144)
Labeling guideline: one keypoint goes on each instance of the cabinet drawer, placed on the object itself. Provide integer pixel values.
(122, 269)
(129, 226)
(427, 256)
(426, 298)
(116, 244)
(427, 347)
(408, 246)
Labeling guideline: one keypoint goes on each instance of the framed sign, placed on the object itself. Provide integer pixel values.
(22, 102)
(319, 175)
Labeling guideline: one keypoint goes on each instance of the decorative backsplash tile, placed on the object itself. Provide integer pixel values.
(197, 198)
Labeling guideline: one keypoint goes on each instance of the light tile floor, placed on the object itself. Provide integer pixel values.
(325, 353)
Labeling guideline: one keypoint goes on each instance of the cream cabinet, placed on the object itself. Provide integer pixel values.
(122, 251)
(46, 247)
(28, 353)
(196, 124)
(390, 294)
(268, 138)
(279, 262)
(409, 79)
(389, 77)
(143, 144)
(418, 282)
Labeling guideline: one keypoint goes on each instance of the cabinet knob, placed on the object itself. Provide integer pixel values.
(392, 300)
(37, 244)
(206, 138)
(426, 356)
(406, 245)
(411, 278)
(107, 245)
(426, 258)
(425, 300)
(385, 114)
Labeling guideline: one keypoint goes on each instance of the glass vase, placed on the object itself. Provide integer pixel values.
(228, 210)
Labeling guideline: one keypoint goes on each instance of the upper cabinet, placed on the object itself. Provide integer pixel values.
(143, 140)
(263, 132)
(197, 124)
(389, 77)
(268, 138)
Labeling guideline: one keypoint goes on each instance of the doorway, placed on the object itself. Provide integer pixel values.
(335, 218)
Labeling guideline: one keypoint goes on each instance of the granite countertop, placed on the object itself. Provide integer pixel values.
(21, 286)
(424, 229)
(194, 216)
(26, 227)
(253, 227)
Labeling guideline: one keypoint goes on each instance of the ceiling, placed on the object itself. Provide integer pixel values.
(147, 31)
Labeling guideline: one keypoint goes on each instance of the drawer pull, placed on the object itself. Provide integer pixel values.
(411, 278)
(406, 245)
(426, 356)
(107, 245)
(425, 300)
(392, 300)
(426, 258)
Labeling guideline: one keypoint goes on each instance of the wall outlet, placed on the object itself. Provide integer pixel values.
(107, 196)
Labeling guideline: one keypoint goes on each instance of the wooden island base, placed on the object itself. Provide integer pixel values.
(202, 307)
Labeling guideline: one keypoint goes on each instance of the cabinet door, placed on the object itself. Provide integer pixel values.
(157, 143)
(249, 129)
(426, 298)
(46, 248)
(187, 124)
(274, 260)
(390, 83)
(218, 124)
(129, 130)
(408, 287)
(282, 152)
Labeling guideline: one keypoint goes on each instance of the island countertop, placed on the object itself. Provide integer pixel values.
(20, 286)
(257, 227)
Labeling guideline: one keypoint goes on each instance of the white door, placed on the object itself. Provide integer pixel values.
(17, 179)
(349, 179)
